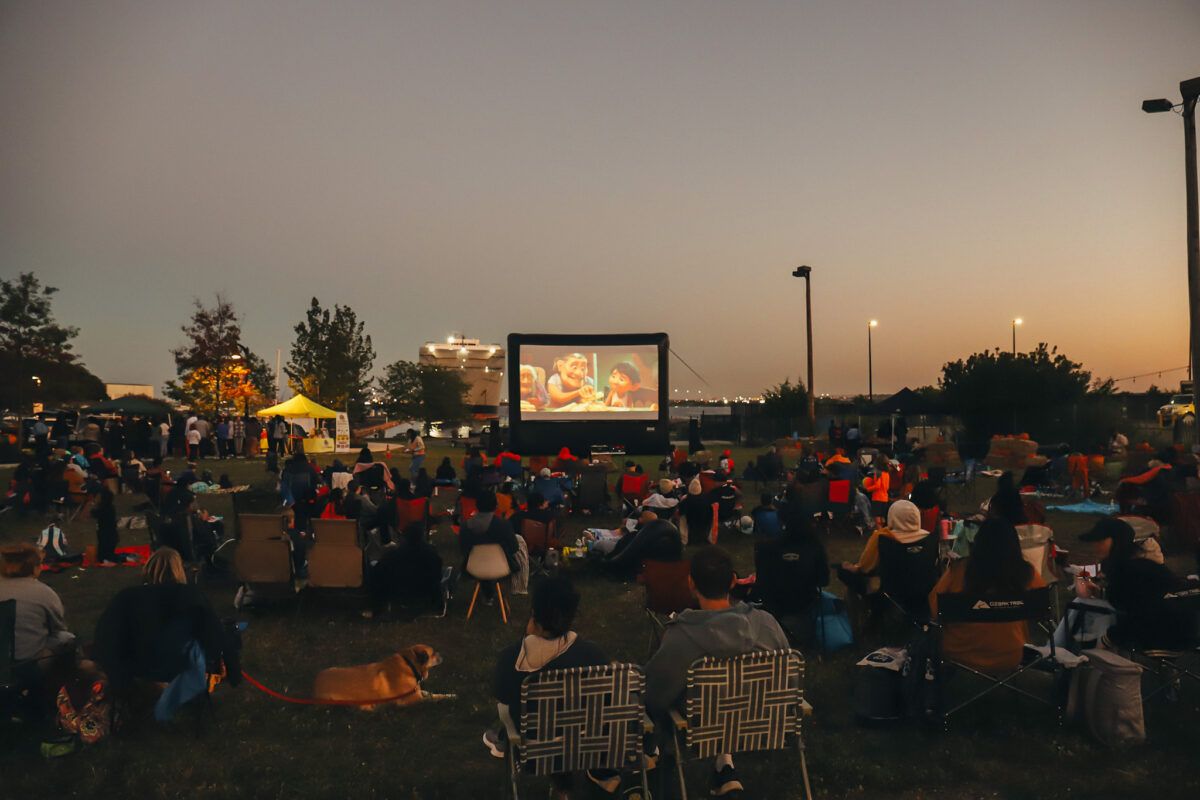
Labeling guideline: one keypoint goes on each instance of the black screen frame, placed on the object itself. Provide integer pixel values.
(635, 437)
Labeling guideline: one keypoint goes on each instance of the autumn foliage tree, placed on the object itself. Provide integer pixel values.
(215, 371)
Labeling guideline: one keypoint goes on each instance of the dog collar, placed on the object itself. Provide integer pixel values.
(415, 669)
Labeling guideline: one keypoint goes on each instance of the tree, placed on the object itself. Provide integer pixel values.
(35, 351)
(996, 392)
(424, 391)
(215, 371)
(331, 358)
(786, 400)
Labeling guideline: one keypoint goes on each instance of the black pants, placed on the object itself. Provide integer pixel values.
(106, 543)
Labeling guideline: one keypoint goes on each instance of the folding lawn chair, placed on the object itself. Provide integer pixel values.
(667, 593)
(264, 552)
(742, 704)
(335, 561)
(410, 511)
(585, 718)
(539, 537)
(1032, 606)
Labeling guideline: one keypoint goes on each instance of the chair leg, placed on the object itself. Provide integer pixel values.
(804, 768)
(679, 765)
(500, 598)
(474, 597)
(513, 770)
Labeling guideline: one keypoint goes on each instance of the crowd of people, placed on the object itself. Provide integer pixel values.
(680, 514)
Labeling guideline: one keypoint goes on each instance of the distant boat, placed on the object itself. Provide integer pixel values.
(482, 366)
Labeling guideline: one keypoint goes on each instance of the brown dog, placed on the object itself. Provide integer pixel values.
(394, 680)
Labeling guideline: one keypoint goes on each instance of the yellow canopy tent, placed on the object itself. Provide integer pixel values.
(299, 406)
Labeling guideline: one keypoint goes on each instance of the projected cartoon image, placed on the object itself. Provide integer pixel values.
(557, 382)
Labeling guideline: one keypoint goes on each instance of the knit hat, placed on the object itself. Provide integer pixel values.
(746, 525)
(904, 517)
(666, 486)
(694, 487)
(545, 473)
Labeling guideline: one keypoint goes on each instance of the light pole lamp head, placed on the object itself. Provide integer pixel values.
(1157, 106)
(1018, 321)
(802, 272)
(873, 323)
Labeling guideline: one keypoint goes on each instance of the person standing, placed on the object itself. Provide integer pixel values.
(164, 439)
(224, 438)
(279, 434)
(237, 432)
(416, 446)
(105, 513)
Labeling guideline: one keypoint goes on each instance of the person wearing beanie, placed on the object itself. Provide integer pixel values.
(662, 500)
(697, 513)
(548, 487)
(903, 525)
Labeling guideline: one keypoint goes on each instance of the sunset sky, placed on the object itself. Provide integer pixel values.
(591, 167)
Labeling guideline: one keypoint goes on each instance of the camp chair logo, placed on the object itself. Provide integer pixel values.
(1181, 594)
(880, 658)
(984, 605)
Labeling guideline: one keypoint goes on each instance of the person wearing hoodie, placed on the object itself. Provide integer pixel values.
(548, 644)
(720, 628)
(903, 525)
(662, 501)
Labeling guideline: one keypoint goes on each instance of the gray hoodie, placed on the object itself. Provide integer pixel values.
(695, 634)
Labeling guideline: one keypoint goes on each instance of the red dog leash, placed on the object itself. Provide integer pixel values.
(312, 701)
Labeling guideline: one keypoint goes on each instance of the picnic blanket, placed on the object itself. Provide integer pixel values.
(136, 555)
(1086, 507)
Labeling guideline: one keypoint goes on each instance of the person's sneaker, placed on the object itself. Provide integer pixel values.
(495, 742)
(610, 785)
(725, 783)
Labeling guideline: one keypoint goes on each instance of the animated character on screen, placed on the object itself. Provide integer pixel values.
(623, 384)
(533, 392)
(571, 383)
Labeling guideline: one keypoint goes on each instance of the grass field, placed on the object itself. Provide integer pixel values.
(258, 747)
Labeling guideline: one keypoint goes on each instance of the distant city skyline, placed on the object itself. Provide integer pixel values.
(944, 167)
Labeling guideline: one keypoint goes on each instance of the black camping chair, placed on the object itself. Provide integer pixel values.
(1031, 606)
(8, 657)
(908, 573)
(593, 491)
(1169, 664)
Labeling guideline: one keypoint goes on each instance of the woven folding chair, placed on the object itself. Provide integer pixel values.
(743, 704)
(578, 719)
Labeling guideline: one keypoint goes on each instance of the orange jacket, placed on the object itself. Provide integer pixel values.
(878, 487)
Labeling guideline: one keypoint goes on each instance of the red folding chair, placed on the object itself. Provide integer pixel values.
(410, 511)
(466, 509)
(667, 593)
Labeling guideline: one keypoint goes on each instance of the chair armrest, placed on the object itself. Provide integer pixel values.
(806, 709)
(678, 721)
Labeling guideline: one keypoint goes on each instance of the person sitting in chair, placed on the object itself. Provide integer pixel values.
(719, 628)
(995, 567)
(548, 644)
(41, 627)
(653, 539)
(903, 525)
(410, 572)
(790, 571)
(1135, 586)
(487, 527)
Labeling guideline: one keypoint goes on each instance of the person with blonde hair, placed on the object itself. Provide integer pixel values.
(165, 565)
(159, 630)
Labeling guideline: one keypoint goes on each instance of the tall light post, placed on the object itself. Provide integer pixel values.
(38, 382)
(870, 362)
(1015, 323)
(1190, 91)
(806, 273)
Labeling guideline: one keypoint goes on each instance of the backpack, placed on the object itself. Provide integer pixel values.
(831, 623)
(1106, 696)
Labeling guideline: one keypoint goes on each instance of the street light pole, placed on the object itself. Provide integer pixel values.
(1190, 90)
(870, 363)
(806, 273)
(1015, 323)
